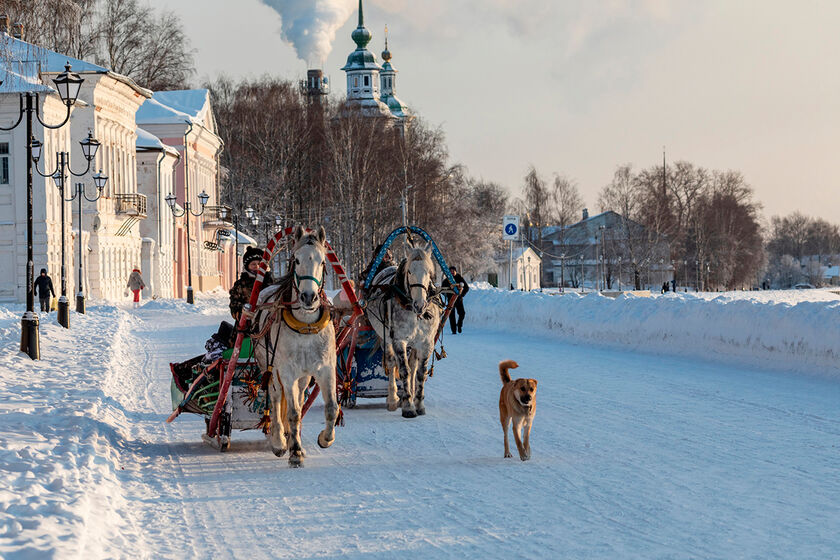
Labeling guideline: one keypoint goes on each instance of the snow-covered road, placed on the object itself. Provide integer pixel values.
(634, 456)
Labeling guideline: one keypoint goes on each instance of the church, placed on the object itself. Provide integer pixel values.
(371, 88)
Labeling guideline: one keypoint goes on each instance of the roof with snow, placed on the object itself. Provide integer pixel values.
(148, 141)
(518, 253)
(177, 106)
(45, 61)
(20, 76)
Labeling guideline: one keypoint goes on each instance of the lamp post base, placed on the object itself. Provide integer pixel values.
(64, 312)
(190, 298)
(29, 338)
(80, 303)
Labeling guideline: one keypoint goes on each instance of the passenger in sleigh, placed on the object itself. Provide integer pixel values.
(240, 293)
(386, 263)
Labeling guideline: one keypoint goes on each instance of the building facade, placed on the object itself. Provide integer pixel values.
(156, 165)
(605, 251)
(183, 120)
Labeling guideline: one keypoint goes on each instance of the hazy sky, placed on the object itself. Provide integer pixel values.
(579, 87)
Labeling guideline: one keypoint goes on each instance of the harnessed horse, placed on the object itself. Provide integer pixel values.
(299, 344)
(404, 316)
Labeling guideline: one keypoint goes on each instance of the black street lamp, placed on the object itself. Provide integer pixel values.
(59, 175)
(223, 214)
(187, 211)
(100, 181)
(68, 84)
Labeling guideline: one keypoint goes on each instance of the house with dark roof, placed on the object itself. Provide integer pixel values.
(605, 251)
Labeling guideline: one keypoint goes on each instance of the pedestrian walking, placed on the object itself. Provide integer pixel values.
(43, 288)
(457, 325)
(135, 284)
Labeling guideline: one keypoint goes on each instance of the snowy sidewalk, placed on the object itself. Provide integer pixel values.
(634, 456)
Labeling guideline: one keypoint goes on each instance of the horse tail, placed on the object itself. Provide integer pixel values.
(503, 369)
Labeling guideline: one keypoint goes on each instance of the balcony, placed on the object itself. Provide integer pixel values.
(133, 204)
(213, 217)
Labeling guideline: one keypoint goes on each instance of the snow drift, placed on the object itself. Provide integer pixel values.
(783, 331)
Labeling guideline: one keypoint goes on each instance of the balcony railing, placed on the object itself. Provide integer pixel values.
(133, 204)
(213, 216)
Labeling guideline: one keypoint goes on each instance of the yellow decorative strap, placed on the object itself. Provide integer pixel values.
(306, 328)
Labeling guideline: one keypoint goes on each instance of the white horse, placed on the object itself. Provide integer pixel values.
(299, 345)
(405, 317)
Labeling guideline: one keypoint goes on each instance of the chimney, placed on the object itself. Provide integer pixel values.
(586, 213)
(17, 31)
(4, 23)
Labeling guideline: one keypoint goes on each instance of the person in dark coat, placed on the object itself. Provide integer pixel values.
(240, 293)
(454, 325)
(43, 289)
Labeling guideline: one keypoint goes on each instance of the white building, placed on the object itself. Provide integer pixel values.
(21, 75)
(523, 266)
(105, 108)
(113, 247)
(156, 163)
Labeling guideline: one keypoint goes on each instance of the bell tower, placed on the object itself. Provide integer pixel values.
(363, 73)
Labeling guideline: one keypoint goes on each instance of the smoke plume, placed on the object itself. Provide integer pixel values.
(310, 25)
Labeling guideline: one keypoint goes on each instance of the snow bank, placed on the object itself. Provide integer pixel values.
(789, 330)
(63, 435)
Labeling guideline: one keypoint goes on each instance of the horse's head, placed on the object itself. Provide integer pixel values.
(309, 262)
(420, 277)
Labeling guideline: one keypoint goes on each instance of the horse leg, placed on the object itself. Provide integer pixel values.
(393, 401)
(408, 377)
(293, 415)
(420, 377)
(277, 429)
(326, 381)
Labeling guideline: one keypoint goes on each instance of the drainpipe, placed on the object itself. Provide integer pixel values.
(158, 203)
(187, 197)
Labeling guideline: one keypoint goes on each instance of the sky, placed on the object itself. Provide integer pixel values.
(579, 87)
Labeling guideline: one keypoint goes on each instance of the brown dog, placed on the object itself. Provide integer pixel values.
(517, 402)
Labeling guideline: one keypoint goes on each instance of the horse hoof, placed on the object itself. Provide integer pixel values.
(323, 444)
(508, 455)
(296, 459)
(421, 412)
(393, 406)
(278, 452)
(409, 414)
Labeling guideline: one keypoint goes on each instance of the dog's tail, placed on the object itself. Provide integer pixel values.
(503, 369)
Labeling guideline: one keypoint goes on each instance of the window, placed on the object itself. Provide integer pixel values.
(356, 81)
(4, 163)
(367, 81)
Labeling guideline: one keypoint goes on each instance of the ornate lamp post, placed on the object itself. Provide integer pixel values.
(170, 200)
(68, 84)
(99, 180)
(89, 149)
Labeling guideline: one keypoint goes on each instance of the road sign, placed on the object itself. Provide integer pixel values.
(510, 228)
